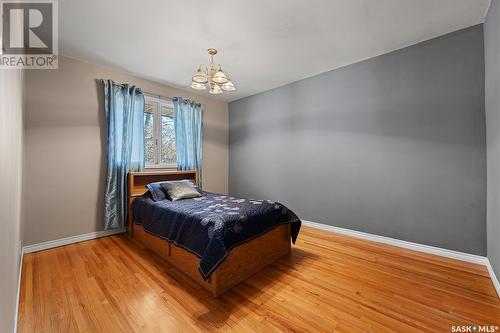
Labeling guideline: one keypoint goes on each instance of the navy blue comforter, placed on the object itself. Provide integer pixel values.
(211, 225)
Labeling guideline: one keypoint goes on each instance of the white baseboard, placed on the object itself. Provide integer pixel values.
(71, 240)
(493, 277)
(401, 243)
(472, 258)
(52, 244)
(18, 292)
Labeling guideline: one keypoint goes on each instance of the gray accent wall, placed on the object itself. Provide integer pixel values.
(492, 56)
(394, 145)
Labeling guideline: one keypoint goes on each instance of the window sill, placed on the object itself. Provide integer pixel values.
(161, 167)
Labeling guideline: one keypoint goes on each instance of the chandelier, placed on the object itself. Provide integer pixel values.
(212, 77)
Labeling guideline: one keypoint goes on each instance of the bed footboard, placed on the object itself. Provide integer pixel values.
(242, 261)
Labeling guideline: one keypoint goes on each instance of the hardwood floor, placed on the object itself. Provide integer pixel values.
(329, 283)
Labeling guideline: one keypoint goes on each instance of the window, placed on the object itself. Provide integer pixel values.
(159, 134)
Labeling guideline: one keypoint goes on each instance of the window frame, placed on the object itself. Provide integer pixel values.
(158, 102)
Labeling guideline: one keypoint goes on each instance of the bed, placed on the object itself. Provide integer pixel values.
(215, 239)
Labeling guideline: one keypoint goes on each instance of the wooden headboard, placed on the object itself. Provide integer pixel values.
(137, 182)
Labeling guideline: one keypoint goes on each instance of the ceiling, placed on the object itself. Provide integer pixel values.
(262, 44)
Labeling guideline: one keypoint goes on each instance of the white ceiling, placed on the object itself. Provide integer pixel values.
(262, 44)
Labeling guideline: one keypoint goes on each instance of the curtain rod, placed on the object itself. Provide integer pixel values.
(156, 95)
(144, 92)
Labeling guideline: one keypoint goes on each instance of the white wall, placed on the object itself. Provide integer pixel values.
(11, 152)
(66, 147)
(492, 63)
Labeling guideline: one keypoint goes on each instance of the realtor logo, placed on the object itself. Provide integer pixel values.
(29, 34)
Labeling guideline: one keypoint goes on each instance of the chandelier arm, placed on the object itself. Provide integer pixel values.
(206, 69)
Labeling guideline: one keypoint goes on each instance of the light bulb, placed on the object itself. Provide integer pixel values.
(198, 86)
(215, 89)
(228, 86)
(200, 76)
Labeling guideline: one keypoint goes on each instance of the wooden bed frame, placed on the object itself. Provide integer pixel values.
(242, 261)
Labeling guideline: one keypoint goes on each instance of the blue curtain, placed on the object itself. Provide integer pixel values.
(124, 105)
(188, 123)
